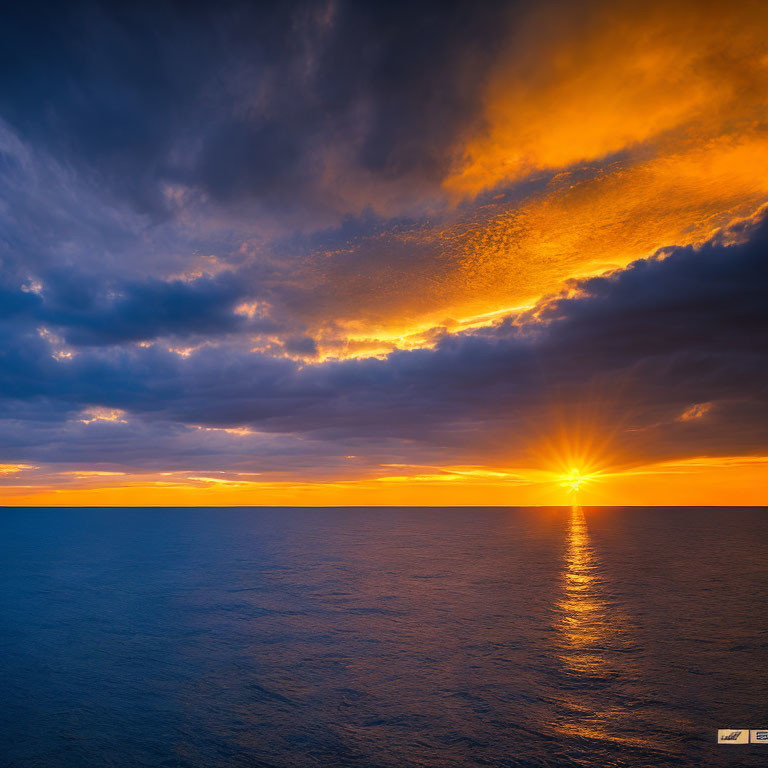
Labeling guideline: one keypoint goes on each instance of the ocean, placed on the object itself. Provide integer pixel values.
(382, 638)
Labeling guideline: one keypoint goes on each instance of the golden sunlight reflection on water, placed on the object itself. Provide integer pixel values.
(595, 649)
(583, 622)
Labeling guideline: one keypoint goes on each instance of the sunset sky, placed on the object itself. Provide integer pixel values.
(425, 253)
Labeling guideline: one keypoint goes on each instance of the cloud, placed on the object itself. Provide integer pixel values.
(695, 411)
(631, 350)
(140, 311)
(296, 105)
(592, 87)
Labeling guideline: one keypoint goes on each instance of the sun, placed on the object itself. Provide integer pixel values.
(574, 479)
(577, 451)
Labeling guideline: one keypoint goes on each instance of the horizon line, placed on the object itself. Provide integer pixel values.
(383, 506)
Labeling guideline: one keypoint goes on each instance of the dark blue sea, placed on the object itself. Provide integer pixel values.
(382, 638)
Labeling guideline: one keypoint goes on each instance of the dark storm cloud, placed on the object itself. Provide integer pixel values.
(687, 328)
(144, 310)
(82, 313)
(280, 102)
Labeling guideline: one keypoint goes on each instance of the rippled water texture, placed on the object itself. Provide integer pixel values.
(382, 637)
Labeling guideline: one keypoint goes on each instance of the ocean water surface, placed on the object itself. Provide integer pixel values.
(382, 638)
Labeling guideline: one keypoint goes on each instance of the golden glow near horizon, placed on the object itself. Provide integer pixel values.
(573, 462)
(700, 481)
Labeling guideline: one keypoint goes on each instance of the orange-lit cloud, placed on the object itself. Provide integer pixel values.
(12, 469)
(696, 411)
(642, 128)
(611, 76)
(97, 413)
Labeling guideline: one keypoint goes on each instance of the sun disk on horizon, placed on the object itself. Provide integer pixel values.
(575, 479)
